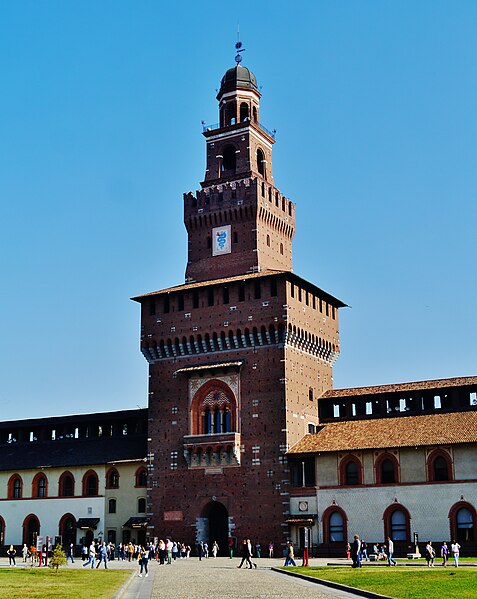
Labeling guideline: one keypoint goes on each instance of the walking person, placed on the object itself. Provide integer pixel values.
(390, 549)
(455, 552)
(143, 558)
(11, 556)
(246, 555)
(430, 554)
(364, 550)
(444, 553)
(91, 556)
(249, 543)
(231, 547)
(103, 555)
(356, 552)
(71, 553)
(215, 549)
(270, 550)
(289, 555)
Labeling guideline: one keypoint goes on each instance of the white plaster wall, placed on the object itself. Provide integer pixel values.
(428, 506)
(49, 512)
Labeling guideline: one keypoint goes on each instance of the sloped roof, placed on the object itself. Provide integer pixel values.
(257, 275)
(404, 431)
(461, 381)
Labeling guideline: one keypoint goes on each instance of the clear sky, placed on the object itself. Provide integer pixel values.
(100, 134)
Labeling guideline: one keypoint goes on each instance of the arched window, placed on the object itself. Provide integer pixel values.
(334, 525)
(281, 249)
(463, 517)
(141, 505)
(231, 113)
(254, 112)
(112, 479)
(439, 466)
(397, 523)
(229, 161)
(244, 113)
(213, 409)
(386, 469)
(15, 487)
(261, 162)
(350, 471)
(40, 486)
(268, 240)
(90, 484)
(141, 477)
(112, 506)
(66, 485)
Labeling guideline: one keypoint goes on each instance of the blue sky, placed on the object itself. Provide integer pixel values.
(375, 109)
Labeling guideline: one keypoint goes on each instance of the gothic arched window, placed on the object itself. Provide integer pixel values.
(244, 113)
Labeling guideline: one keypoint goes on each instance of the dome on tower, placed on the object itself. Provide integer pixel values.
(238, 77)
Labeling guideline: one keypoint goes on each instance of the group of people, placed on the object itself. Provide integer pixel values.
(358, 552)
(445, 552)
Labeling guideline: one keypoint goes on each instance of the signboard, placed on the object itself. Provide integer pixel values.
(221, 242)
(173, 516)
(39, 543)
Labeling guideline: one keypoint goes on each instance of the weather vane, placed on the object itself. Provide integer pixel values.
(238, 47)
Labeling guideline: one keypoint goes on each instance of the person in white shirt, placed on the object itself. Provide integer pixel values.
(455, 552)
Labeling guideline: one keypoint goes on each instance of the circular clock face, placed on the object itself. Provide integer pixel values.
(303, 506)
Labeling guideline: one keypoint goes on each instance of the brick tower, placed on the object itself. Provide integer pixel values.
(241, 352)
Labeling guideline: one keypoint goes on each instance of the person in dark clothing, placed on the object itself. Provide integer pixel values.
(246, 555)
(356, 552)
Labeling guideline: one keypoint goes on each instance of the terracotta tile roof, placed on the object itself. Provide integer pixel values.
(403, 431)
(256, 275)
(414, 386)
(198, 284)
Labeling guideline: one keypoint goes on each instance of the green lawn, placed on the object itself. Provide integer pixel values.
(402, 583)
(36, 583)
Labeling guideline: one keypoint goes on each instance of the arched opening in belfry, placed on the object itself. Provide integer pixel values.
(231, 114)
(244, 112)
(216, 528)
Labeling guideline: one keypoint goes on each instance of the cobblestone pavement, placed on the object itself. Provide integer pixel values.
(220, 579)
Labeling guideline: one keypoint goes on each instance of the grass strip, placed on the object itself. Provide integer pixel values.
(401, 583)
(36, 583)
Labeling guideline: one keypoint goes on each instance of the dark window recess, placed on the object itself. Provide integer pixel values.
(351, 473)
(152, 307)
(225, 293)
(235, 237)
(141, 505)
(180, 301)
(257, 290)
(210, 296)
(310, 394)
(167, 304)
(311, 428)
(273, 288)
(209, 242)
(440, 469)
(229, 161)
(299, 294)
(303, 473)
(292, 290)
(195, 299)
(241, 292)
(387, 472)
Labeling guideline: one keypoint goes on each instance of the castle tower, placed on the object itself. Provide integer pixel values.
(239, 354)
(239, 222)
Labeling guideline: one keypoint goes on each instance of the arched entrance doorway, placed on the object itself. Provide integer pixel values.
(67, 529)
(217, 519)
(31, 528)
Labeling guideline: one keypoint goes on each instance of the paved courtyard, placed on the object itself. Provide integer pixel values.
(221, 579)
